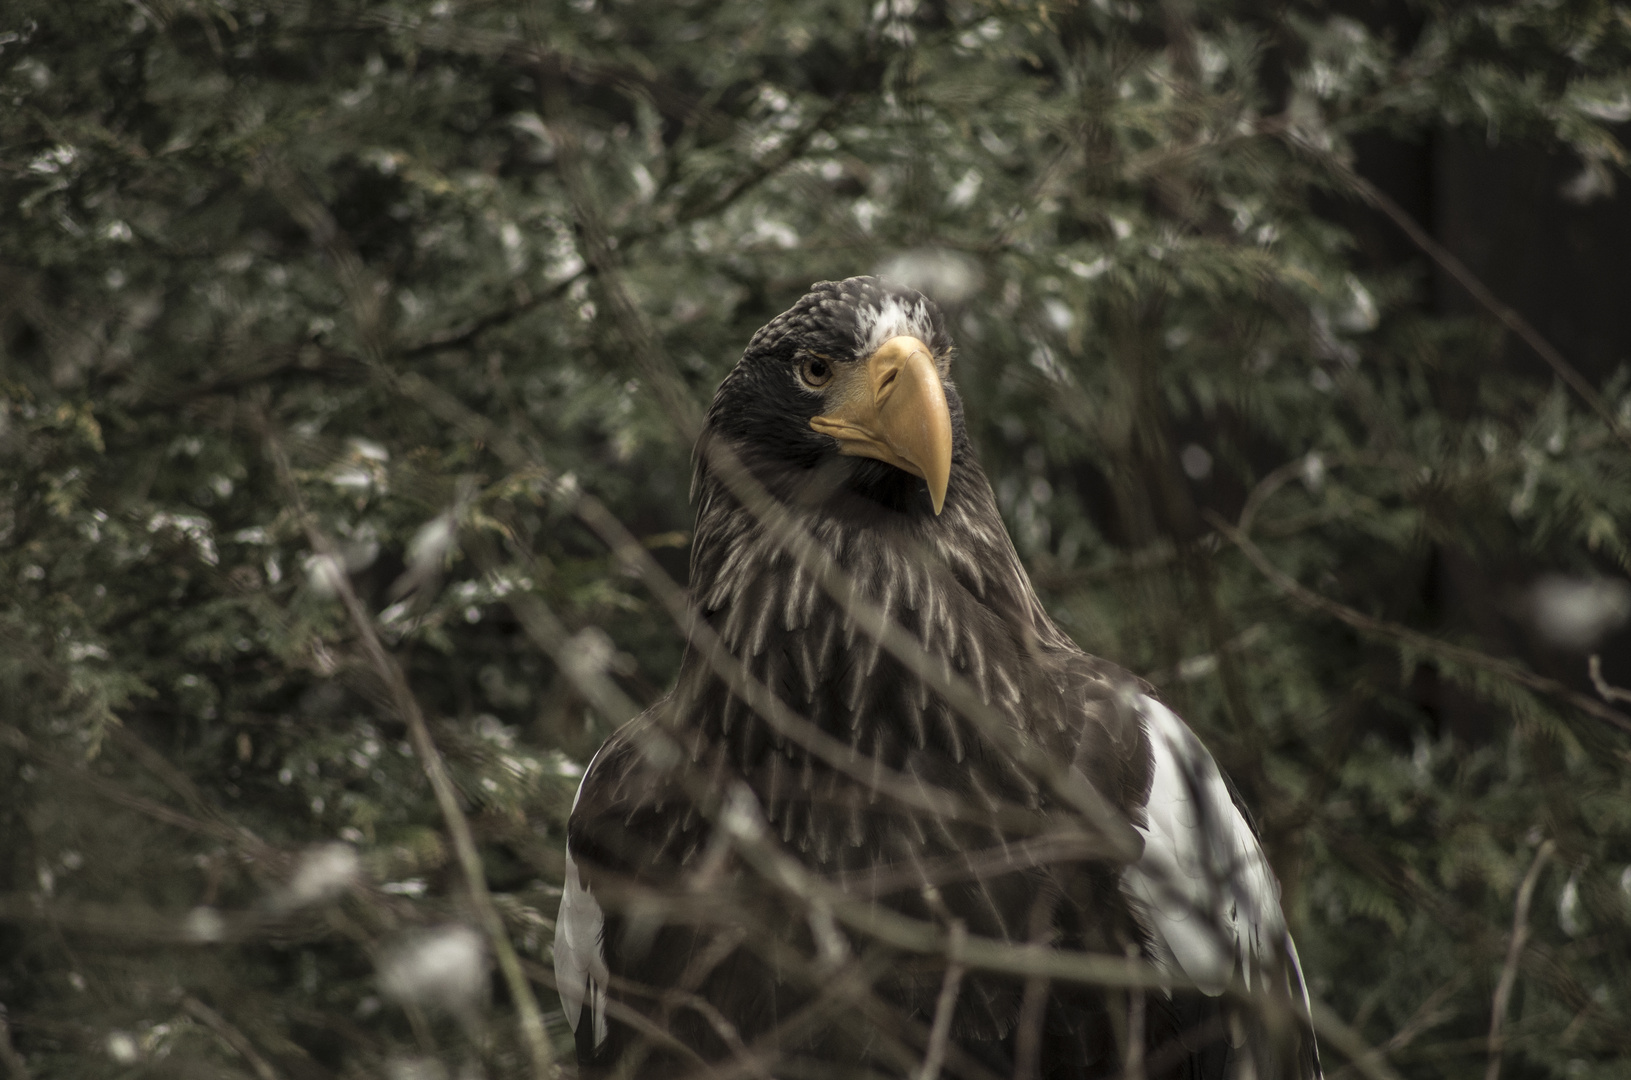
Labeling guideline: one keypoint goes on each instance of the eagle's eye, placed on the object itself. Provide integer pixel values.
(815, 372)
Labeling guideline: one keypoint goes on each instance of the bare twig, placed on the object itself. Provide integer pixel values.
(1415, 639)
(407, 708)
(1429, 1014)
(1266, 487)
(699, 634)
(231, 1036)
(950, 985)
(1594, 667)
(459, 336)
(1367, 1060)
(1514, 952)
(722, 1027)
(748, 834)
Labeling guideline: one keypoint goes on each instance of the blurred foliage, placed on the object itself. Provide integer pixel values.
(404, 241)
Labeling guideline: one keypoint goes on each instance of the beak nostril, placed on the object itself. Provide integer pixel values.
(887, 383)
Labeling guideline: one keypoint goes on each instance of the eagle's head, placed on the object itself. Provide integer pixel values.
(850, 386)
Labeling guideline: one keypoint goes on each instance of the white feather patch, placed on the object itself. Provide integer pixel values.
(1206, 891)
(893, 319)
(580, 949)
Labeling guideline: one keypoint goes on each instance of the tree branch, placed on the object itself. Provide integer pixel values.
(946, 1005)
(1514, 952)
(1508, 317)
(406, 705)
(1594, 667)
(231, 1036)
(1459, 654)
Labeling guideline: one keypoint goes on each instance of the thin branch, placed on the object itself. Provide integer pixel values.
(1428, 1015)
(459, 336)
(406, 705)
(1369, 1061)
(1594, 667)
(1517, 324)
(1415, 639)
(946, 1005)
(722, 1027)
(231, 1036)
(1514, 952)
(1265, 489)
(747, 830)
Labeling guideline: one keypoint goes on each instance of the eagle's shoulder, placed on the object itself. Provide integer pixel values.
(633, 813)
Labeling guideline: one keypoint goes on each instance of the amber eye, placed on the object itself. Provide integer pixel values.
(815, 372)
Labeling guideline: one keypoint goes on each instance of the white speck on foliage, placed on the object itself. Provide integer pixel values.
(203, 924)
(324, 574)
(1576, 613)
(415, 1068)
(430, 544)
(965, 190)
(1568, 907)
(193, 527)
(1058, 314)
(122, 1048)
(1594, 181)
(324, 872)
(1196, 461)
(1360, 315)
(444, 968)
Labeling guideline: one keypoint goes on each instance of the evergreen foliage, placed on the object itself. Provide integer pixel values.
(459, 263)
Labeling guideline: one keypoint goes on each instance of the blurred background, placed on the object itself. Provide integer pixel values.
(1293, 336)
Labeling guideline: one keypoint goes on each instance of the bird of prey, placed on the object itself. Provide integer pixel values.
(888, 802)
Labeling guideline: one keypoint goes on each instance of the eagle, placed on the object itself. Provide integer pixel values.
(888, 802)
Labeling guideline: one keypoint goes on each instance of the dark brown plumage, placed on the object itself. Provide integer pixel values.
(680, 945)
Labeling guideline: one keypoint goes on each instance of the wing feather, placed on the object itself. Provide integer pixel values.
(581, 973)
(1203, 882)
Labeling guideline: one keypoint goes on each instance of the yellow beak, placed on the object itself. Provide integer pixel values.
(893, 408)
